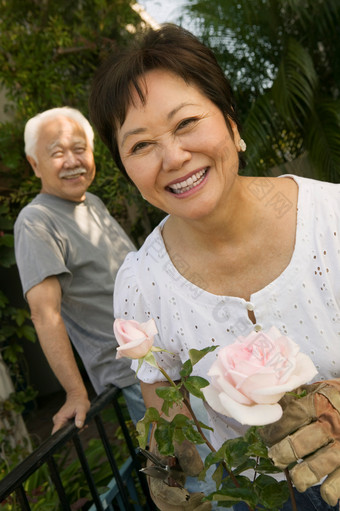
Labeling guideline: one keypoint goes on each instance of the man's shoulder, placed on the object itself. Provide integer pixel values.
(91, 198)
(32, 210)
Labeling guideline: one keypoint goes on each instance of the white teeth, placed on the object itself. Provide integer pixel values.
(189, 183)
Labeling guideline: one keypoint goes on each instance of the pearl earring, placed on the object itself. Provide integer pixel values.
(242, 145)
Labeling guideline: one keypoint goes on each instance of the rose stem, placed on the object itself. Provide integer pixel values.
(211, 447)
(188, 406)
(291, 491)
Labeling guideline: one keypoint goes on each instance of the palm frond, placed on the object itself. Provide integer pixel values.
(323, 139)
(295, 83)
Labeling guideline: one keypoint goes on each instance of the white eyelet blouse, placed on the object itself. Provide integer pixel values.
(303, 302)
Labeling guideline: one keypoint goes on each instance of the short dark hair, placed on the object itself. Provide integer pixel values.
(171, 48)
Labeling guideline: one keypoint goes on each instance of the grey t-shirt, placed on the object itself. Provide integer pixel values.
(83, 246)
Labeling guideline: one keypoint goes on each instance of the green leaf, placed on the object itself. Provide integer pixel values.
(246, 465)
(234, 452)
(150, 359)
(230, 492)
(196, 355)
(143, 426)
(218, 475)
(266, 466)
(186, 369)
(164, 438)
(271, 493)
(170, 394)
(20, 316)
(194, 384)
(140, 363)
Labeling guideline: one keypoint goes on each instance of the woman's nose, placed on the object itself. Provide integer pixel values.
(174, 155)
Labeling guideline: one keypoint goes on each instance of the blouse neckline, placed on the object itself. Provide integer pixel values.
(287, 274)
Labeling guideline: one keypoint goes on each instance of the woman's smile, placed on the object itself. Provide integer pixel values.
(182, 186)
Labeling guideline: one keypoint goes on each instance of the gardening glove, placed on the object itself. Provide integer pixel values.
(309, 432)
(177, 498)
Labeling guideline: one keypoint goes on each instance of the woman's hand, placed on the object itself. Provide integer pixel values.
(177, 498)
(309, 432)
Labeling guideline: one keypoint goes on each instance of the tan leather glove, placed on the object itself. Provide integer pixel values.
(172, 498)
(309, 432)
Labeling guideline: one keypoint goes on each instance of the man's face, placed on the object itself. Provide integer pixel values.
(64, 159)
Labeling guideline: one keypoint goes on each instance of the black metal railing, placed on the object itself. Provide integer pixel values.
(126, 480)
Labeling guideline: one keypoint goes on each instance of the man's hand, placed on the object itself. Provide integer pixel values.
(309, 432)
(177, 498)
(76, 406)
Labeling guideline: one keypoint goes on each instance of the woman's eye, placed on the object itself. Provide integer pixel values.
(187, 122)
(139, 146)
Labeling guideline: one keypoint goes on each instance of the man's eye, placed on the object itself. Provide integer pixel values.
(187, 122)
(79, 150)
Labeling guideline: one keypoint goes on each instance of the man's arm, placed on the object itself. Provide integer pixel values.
(44, 301)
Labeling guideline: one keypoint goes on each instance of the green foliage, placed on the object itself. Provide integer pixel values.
(49, 52)
(230, 461)
(281, 59)
(14, 330)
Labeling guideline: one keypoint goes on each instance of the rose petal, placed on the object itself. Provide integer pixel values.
(127, 330)
(253, 386)
(223, 385)
(134, 349)
(243, 372)
(149, 328)
(305, 371)
(212, 397)
(254, 415)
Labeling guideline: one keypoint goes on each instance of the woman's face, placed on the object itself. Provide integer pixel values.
(177, 148)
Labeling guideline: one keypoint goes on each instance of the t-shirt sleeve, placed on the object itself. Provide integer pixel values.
(39, 253)
(130, 302)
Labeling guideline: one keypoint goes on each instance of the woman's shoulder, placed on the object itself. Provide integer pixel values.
(314, 185)
(139, 265)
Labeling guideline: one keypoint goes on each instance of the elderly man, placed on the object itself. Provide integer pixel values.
(68, 250)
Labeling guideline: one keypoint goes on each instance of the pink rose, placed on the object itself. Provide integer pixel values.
(250, 376)
(135, 339)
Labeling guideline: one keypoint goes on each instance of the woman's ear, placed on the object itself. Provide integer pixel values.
(235, 133)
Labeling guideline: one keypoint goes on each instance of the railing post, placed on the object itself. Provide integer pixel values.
(115, 469)
(87, 472)
(58, 484)
(132, 451)
(22, 498)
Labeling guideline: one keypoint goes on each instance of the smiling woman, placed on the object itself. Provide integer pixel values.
(235, 254)
(174, 144)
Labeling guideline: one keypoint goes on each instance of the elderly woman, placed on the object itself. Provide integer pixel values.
(234, 254)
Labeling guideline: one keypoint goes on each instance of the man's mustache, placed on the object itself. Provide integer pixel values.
(73, 172)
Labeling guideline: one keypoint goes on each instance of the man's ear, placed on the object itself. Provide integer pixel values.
(34, 165)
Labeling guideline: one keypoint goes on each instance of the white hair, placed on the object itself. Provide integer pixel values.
(34, 124)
